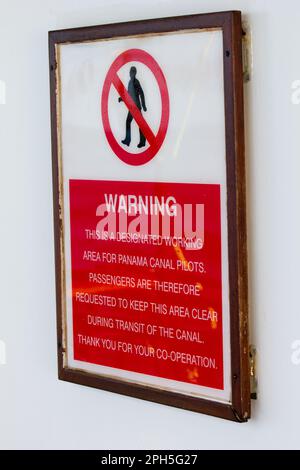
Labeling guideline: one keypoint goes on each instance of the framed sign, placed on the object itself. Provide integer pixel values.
(149, 210)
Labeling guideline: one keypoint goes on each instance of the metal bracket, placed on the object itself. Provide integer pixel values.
(253, 378)
(247, 52)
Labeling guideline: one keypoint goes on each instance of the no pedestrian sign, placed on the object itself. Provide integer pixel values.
(149, 211)
(134, 98)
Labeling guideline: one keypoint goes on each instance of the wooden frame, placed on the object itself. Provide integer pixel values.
(230, 22)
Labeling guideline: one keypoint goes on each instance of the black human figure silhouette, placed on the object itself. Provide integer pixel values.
(136, 92)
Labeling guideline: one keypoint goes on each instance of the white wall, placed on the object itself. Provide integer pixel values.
(38, 411)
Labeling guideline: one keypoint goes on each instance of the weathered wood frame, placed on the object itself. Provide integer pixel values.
(230, 23)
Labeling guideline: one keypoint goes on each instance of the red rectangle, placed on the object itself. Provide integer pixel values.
(146, 278)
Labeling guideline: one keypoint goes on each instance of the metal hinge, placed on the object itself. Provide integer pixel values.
(247, 52)
(253, 378)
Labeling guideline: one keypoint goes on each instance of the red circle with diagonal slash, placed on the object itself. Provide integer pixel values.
(112, 78)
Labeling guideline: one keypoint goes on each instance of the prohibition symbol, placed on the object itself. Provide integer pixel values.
(134, 111)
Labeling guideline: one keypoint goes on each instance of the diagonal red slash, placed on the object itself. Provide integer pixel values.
(133, 109)
(112, 79)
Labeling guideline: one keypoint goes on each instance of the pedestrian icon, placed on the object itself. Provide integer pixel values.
(137, 94)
